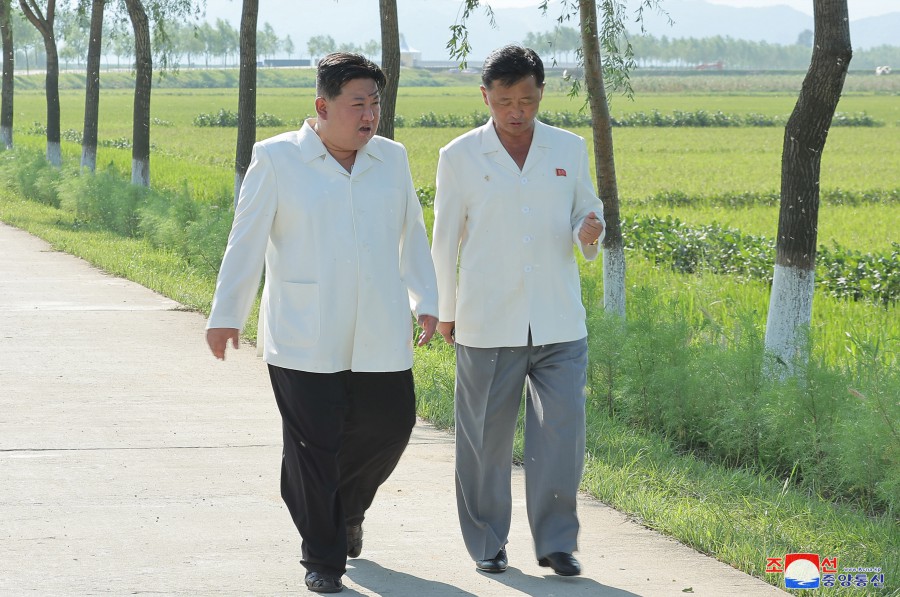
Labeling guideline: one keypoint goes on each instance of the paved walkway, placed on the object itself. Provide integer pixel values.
(133, 462)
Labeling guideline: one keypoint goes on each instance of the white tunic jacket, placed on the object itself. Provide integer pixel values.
(511, 233)
(346, 256)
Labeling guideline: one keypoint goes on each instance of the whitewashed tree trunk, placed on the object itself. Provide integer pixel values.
(54, 153)
(43, 21)
(89, 158)
(140, 172)
(613, 281)
(604, 161)
(790, 312)
(92, 88)
(143, 85)
(8, 80)
(790, 305)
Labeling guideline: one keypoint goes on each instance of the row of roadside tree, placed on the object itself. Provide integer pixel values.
(184, 45)
(602, 27)
(562, 43)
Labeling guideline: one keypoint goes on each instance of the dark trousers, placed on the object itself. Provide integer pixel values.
(343, 435)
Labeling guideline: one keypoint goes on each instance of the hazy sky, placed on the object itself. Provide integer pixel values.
(858, 9)
(292, 17)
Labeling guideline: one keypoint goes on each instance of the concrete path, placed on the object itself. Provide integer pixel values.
(133, 462)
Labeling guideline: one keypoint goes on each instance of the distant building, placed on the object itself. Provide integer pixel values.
(718, 65)
(408, 56)
(278, 62)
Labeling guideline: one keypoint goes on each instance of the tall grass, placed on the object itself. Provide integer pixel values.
(674, 477)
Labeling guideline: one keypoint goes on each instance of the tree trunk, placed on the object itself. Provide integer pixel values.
(54, 149)
(246, 136)
(390, 64)
(790, 304)
(6, 96)
(44, 24)
(143, 68)
(604, 161)
(92, 90)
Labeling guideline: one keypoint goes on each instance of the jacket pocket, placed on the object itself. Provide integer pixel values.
(296, 318)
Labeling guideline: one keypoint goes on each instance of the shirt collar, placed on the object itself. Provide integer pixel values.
(311, 147)
(490, 141)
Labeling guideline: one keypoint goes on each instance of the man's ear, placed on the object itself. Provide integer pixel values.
(484, 95)
(322, 108)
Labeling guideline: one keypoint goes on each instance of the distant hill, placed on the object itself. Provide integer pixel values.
(772, 24)
(876, 31)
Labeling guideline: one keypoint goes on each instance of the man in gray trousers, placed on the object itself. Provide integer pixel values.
(512, 199)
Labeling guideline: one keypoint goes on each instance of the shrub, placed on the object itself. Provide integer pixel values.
(31, 175)
(857, 119)
(228, 118)
(840, 272)
(103, 200)
(224, 118)
(678, 118)
(831, 432)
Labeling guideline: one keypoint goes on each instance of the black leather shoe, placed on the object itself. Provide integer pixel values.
(319, 582)
(562, 563)
(354, 540)
(494, 565)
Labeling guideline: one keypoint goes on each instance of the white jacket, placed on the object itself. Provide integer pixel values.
(346, 256)
(511, 234)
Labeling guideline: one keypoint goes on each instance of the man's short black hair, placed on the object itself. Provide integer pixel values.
(337, 68)
(510, 64)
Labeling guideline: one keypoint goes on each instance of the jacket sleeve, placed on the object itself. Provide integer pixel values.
(242, 265)
(416, 267)
(449, 221)
(585, 202)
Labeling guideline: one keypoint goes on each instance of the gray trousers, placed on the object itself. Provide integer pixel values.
(489, 385)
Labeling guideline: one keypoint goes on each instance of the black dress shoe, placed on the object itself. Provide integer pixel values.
(319, 582)
(354, 540)
(494, 565)
(562, 563)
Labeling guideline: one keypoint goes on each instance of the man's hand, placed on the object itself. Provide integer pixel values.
(447, 329)
(428, 323)
(591, 229)
(217, 338)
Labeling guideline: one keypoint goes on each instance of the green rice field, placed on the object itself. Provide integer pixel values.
(650, 161)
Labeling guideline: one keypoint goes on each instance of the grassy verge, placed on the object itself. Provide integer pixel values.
(135, 259)
(737, 514)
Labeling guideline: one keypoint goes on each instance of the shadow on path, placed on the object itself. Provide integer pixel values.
(552, 585)
(385, 581)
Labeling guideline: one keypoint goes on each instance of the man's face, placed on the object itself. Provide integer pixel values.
(352, 117)
(513, 108)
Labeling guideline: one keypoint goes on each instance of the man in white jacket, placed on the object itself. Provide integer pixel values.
(512, 199)
(332, 212)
